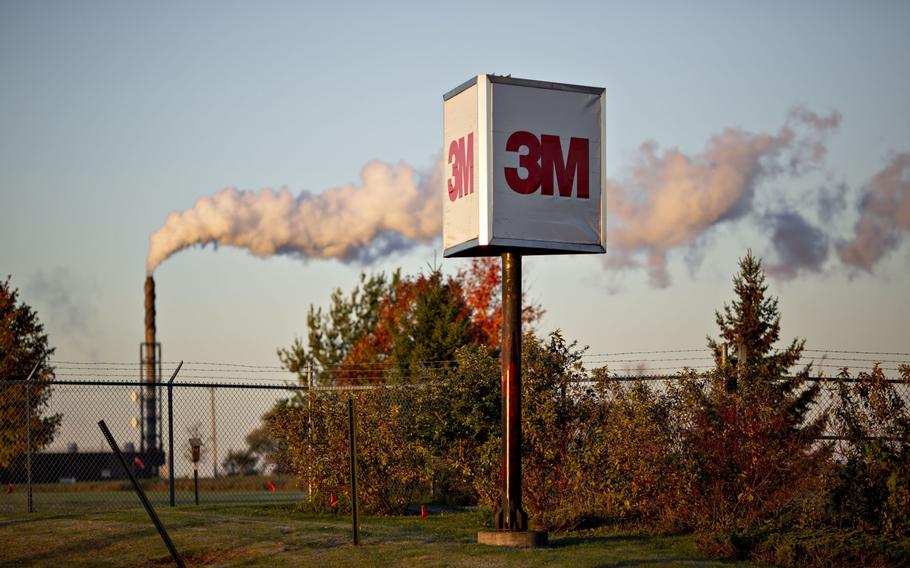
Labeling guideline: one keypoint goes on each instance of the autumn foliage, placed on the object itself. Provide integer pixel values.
(398, 328)
(737, 454)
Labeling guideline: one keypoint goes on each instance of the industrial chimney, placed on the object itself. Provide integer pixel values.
(149, 355)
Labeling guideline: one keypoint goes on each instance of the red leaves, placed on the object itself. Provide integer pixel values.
(333, 501)
(270, 486)
(138, 463)
(482, 284)
(9, 488)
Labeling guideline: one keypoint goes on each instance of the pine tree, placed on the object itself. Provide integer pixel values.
(750, 328)
(751, 443)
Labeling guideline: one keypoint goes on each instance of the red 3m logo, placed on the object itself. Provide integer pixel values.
(461, 158)
(543, 161)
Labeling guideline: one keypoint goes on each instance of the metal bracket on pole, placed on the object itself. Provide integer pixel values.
(142, 496)
(170, 434)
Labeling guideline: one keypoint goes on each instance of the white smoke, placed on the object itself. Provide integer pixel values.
(671, 199)
(884, 220)
(390, 210)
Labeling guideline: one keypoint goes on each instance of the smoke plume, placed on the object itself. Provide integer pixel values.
(884, 219)
(670, 199)
(799, 245)
(390, 210)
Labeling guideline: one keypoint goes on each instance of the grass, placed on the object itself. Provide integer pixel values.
(281, 535)
(106, 495)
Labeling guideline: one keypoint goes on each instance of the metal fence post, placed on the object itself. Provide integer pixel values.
(28, 435)
(309, 408)
(170, 433)
(353, 445)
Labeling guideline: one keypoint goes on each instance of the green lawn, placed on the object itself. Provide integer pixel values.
(279, 535)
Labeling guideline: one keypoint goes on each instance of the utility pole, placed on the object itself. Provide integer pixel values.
(214, 433)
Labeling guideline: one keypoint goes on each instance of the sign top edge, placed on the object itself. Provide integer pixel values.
(509, 80)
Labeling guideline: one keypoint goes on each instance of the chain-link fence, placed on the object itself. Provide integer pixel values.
(404, 435)
(77, 469)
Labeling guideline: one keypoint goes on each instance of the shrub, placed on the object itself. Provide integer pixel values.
(637, 472)
(873, 476)
(808, 548)
(555, 418)
(393, 469)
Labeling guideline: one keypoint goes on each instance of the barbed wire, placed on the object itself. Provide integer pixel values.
(218, 370)
(645, 352)
(897, 354)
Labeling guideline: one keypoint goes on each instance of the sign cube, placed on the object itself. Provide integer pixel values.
(525, 168)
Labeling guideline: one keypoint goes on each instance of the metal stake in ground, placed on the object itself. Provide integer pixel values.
(142, 497)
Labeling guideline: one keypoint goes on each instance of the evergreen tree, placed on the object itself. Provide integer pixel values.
(436, 324)
(751, 445)
(334, 333)
(750, 328)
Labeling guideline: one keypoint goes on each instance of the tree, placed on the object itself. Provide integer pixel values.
(751, 326)
(332, 334)
(23, 347)
(400, 327)
(240, 462)
(752, 450)
(482, 283)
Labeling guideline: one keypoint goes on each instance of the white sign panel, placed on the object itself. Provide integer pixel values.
(524, 168)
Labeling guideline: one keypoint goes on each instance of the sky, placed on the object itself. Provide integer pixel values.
(115, 115)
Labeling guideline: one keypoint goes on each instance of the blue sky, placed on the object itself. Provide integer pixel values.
(113, 115)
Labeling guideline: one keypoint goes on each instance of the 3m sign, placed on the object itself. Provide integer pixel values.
(524, 168)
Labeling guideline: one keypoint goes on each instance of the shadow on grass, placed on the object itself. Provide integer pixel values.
(562, 542)
(43, 517)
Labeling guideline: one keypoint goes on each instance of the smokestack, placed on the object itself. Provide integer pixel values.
(150, 365)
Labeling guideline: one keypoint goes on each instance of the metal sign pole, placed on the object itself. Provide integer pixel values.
(512, 516)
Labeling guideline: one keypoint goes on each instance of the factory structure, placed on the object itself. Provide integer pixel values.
(150, 408)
